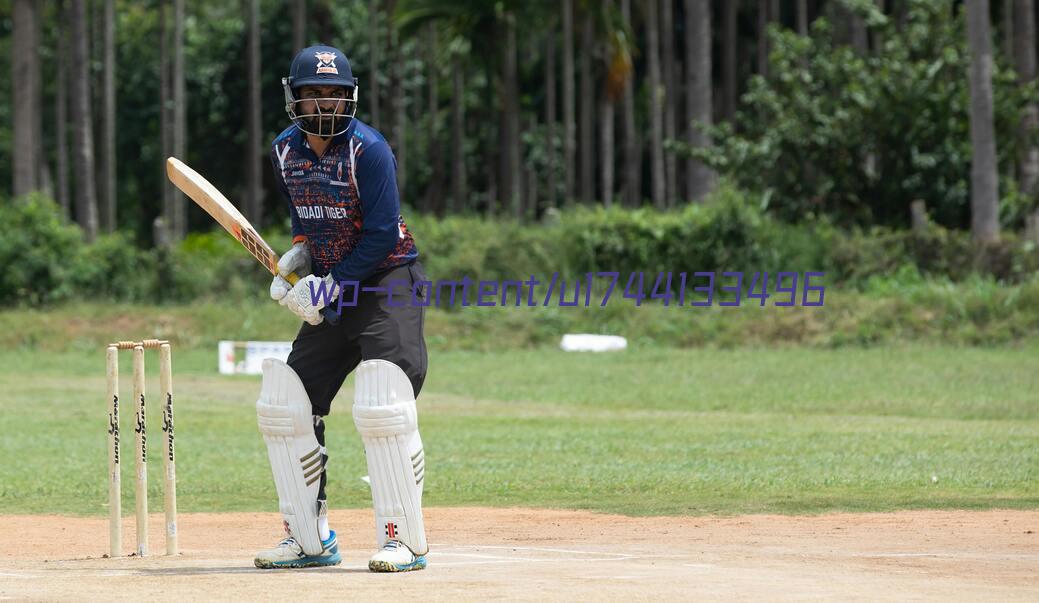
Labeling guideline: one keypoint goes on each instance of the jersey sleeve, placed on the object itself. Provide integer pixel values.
(297, 228)
(380, 210)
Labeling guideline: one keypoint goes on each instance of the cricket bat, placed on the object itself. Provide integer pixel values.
(206, 196)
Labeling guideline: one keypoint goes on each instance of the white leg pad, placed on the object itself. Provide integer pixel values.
(284, 416)
(385, 415)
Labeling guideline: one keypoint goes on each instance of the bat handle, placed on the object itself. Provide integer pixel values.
(331, 316)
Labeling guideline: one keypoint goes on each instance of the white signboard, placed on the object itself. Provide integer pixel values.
(246, 357)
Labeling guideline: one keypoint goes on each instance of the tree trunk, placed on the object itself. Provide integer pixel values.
(82, 128)
(459, 183)
(656, 106)
(878, 37)
(1009, 49)
(25, 72)
(587, 118)
(729, 68)
(165, 118)
(550, 117)
(698, 102)
(512, 175)
(762, 37)
(606, 123)
(435, 191)
(44, 178)
(859, 34)
(179, 226)
(299, 25)
(632, 155)
(373, 49)
(61, 104)
(399, 106)
(1025, 64)
(984, 175)
(254, 152)
(802, 17)
(671, 94)
(568, 102)
(108, 166)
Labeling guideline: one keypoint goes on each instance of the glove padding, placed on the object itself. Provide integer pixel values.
(308, 297)
(295, 260)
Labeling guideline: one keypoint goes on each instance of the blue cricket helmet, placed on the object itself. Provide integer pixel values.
(320, 66)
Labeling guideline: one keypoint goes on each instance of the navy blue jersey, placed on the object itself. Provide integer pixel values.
(345, 204)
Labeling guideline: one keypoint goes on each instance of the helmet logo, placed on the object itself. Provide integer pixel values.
(326, 62)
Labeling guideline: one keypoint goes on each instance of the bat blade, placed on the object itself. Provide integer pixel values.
(209, 198)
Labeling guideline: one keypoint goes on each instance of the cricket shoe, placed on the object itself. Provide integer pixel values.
(395, 556)
(289, 553)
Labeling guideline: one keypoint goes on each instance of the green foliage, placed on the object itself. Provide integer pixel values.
(858, 137)
(38, 251)
(49, 263)
(113, 267)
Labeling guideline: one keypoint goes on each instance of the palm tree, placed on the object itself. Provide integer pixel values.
(373, 58)
(656, 99)
(82, 129)
(984, 175)
(25, 71)
(729, 67)
(632, 154)
(550, 115)
(587, 113)
(459, 179)
(471, 26)
(568, 101)
(667, 52)
(254, 153)
(299, 24)
(179, 222)
(61, 104)
(511, 174)
(1025, 64)
(698, 101)
(108, 165)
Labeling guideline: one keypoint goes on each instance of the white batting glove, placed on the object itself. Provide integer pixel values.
(310, 295)
(295, 260)
(279, 288)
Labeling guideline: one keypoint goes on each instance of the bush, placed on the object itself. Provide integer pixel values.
(47, 261)
(832, 132)
(40, 254)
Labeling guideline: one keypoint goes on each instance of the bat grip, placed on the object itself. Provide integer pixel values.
(331, 316)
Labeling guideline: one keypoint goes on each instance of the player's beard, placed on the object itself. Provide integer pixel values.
(326, 125)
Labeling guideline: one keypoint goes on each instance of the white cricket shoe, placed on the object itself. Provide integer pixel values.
(395, 556)
(289, 553)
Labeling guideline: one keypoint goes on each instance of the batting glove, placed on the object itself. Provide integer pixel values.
(310, 295)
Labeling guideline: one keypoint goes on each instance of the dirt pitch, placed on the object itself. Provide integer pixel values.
(540, 555)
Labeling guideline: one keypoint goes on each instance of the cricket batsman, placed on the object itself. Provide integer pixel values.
(339, 177)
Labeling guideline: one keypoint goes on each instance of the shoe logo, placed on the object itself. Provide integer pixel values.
(391, 529)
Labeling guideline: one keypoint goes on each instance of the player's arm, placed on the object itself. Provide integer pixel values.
(380, 211)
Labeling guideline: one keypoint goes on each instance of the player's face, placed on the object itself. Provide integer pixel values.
(326, 104)
(327, 98)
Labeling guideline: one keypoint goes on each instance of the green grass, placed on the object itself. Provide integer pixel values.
(647, 431)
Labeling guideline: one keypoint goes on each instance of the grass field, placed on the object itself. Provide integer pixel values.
(646, 431)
